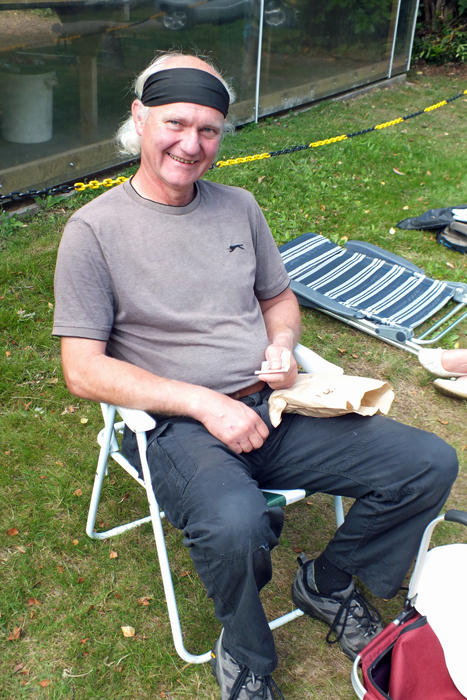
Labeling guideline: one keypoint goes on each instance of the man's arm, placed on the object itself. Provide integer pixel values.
(283, 324)
(91, 374)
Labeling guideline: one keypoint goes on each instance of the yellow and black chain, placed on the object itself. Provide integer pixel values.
(109, 182)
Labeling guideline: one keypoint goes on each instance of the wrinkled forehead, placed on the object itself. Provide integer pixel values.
(190, 85)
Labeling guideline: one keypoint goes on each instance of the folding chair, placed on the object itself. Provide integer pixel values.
(372, 289)
(140, 422)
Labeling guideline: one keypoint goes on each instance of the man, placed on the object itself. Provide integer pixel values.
(170, 292)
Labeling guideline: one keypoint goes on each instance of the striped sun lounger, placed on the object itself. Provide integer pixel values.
(373, 290)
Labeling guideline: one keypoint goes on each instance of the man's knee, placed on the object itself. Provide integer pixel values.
(235, 524)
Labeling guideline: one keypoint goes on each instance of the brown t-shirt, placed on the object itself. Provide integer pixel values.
(173, 290)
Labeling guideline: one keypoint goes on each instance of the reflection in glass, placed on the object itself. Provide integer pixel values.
(66, 70)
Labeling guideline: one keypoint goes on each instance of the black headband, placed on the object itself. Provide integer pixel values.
(185, 85)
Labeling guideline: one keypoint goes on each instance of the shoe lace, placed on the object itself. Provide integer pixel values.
(368, 613)
(267, 684)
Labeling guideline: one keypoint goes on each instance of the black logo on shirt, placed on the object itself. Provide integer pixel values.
(238, 245)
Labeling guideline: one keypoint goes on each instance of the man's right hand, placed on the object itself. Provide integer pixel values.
(233, 423)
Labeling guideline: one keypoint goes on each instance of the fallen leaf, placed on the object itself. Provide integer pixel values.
(75, 542)
(145, 600)
(60, 569)
(443, 422)
(44, 684)
(450, 264)
(81, 579)
(323, 207)
(128, 631)
(392, 230)
(16, 634)
(406, 207)
(428, 172)
(27, 405)
(113, 555)
(7, 353)
(83, 641)
(397, 171)
(21, 549)
(34, 601)
(118, 596)
(464, 447)
(260, 179)
(383, 183)
(24, 672)
(342, 349)
(83, 420)
(78, 492)
(18, 667)
(12, 531)
(297, 549)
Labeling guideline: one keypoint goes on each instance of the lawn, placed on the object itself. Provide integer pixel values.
(64, 598)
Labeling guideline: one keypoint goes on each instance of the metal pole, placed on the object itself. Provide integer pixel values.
(394, 37)
(413, 33)
(258, 59)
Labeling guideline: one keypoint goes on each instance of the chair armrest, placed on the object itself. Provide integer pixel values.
(314, 363)
(138, 421)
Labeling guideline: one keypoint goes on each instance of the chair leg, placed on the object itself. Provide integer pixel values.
(100, 472)
(108, 438)
(339, 510)
(164, 562)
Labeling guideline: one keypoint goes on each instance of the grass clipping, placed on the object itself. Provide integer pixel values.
(327, 395)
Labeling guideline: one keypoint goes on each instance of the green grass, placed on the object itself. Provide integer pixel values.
(62, 590)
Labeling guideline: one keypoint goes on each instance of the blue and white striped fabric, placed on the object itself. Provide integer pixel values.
(385, 293)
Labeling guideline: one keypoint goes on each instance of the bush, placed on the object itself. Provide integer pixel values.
(448, 46)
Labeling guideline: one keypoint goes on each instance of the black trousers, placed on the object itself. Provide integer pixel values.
(400, 477)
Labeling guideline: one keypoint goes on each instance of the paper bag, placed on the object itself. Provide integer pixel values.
(324, 396)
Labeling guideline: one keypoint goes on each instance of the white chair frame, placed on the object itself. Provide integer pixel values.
(140, 422)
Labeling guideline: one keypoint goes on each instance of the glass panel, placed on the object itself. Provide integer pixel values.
(66, 66)
(316, 48)
(404, 36)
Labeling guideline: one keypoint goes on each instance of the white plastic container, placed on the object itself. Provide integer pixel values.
(27, 107)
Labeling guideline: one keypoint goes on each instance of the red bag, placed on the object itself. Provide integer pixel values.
(406, 662)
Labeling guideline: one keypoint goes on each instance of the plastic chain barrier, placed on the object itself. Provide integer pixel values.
(108, 182)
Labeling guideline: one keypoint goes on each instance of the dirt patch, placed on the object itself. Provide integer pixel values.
(447, 70)
(25, 29)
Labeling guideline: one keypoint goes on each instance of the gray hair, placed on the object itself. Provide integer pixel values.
(128, 141)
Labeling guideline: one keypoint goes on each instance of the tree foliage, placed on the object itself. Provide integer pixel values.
(442, 31)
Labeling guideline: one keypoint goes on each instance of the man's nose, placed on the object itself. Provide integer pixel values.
(191, 141)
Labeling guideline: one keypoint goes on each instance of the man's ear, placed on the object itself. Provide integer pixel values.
(137, 112)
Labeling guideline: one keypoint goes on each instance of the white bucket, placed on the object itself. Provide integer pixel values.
(27, 107)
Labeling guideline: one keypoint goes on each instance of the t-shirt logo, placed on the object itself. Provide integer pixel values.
(238, 245)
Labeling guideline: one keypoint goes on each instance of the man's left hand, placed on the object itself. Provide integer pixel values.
(279, 380)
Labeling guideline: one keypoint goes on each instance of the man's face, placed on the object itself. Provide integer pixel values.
(179, 142)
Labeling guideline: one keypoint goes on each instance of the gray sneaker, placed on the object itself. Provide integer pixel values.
(353, 620)
(236, 681)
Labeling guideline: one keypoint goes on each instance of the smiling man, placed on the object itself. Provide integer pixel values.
(170, 292)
